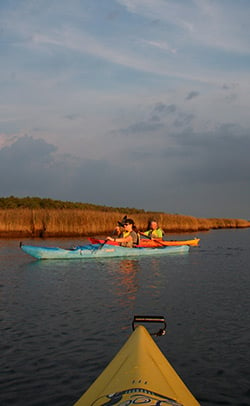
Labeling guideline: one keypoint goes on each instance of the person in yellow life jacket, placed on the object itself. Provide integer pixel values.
(129, 237)
(154, 231)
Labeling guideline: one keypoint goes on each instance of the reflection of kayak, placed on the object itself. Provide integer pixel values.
(147, 243)
(92, 251)
(139, 374)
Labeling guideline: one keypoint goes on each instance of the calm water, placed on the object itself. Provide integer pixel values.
(63, 321)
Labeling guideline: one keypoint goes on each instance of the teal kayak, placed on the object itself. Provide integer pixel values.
(92, 251)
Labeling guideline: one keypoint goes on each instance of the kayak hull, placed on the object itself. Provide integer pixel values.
(93, 251)
(147, 243)
(138, 374)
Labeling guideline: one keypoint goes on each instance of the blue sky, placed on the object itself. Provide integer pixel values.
(138, 103)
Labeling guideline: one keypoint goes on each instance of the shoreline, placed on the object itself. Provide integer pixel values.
(67, 223)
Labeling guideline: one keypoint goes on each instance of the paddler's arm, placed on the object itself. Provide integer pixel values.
(126, 239)
(146, 233)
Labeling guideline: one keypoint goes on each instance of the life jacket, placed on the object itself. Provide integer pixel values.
(154, 233)
(133, 243)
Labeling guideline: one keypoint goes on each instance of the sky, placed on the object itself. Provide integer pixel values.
(127, 103)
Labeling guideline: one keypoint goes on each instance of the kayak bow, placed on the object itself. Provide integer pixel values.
(138, 374)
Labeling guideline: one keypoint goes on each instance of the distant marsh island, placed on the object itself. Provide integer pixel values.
(37, 217)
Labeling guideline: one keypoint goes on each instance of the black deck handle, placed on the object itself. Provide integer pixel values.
(151, 319)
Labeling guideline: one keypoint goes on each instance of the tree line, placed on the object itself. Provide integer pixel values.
(13, 202)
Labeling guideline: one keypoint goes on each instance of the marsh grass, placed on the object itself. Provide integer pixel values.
(24, 222)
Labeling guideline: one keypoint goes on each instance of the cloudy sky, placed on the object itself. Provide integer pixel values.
(138, 103)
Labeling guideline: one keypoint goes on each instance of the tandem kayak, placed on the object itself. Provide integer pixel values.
(139, 374)
(92, 251)
(147, 243)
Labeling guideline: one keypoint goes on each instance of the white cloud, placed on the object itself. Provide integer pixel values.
(6, 140)
(168, 11)
(202, 22)
(159, 44)
(187, 27)
(84, 43)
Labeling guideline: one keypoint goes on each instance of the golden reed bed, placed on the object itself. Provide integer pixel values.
(77, 222)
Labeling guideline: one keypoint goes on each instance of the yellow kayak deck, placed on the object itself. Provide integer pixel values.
(138, 374)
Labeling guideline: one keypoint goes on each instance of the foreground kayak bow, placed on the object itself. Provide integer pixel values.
(139, 374)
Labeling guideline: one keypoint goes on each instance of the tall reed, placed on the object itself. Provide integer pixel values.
(77, 222)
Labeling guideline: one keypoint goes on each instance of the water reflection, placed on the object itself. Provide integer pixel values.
(136, 283)
(125, 283)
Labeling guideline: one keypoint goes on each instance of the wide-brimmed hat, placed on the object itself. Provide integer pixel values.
(129, 221)
(125, 220)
